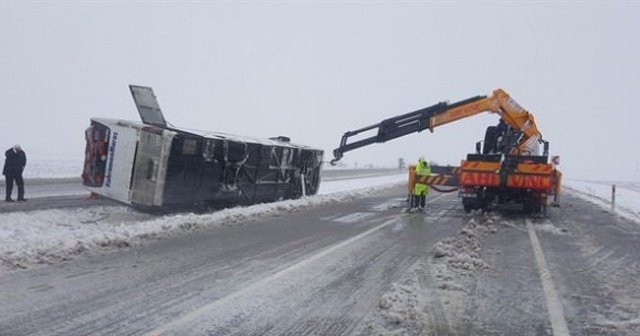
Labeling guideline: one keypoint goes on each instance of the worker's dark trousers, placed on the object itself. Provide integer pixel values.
(419, 200)
(19, 182)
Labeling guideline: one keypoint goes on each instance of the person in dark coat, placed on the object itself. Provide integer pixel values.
(15, 160)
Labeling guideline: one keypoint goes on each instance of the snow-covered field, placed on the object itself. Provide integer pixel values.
(50, 168)
(44, 236)
(627, 196)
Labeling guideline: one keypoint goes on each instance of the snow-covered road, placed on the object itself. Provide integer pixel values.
(350, 265)
(45, 236)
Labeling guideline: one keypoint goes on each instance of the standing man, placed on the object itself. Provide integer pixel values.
(15, 160)
(421, 190)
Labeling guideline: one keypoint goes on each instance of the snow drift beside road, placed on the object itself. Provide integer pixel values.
(599, 193)
(46, 236)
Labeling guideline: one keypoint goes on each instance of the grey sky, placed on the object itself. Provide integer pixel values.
(312, 71)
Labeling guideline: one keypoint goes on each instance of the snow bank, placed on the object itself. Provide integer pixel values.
(404, 308)
(599, 193)
(400, 311)
(47, 236)
(459, 256)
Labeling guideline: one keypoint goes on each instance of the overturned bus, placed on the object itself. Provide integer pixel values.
(152, 165)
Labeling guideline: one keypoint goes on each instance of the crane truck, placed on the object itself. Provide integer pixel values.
(506, 168)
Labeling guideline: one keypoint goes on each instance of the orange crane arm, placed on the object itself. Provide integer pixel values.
(506, 107)
(443, 113)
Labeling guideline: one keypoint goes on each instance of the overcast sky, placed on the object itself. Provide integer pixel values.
(314, 70)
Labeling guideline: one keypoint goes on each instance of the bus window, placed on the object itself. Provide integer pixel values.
(96, 153)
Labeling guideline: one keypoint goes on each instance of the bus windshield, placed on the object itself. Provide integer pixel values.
(95, 161)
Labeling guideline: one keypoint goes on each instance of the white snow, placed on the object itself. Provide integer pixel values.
(460, 255)
(549, 227)
(402, 308)
(627, 202)
(44, 236)
(336, 186)
(49, 168)
(354, 217)
(390, 204)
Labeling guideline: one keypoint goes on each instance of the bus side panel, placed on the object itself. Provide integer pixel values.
(225, 172)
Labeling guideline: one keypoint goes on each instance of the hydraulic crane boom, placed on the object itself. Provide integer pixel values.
(510, 112)
(508, 169)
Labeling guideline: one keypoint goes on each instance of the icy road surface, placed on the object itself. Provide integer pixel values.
(61, 230)
(354, 267)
